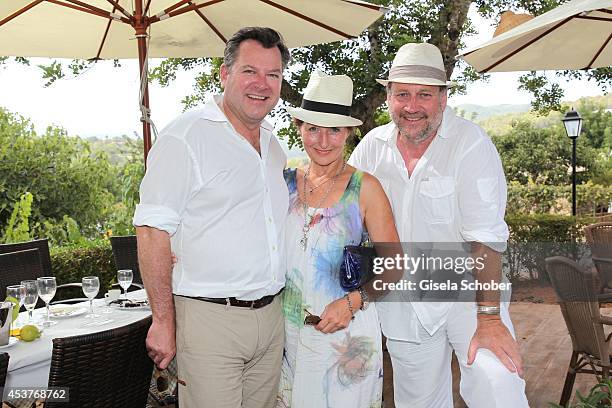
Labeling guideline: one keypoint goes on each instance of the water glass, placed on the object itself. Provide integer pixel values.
(91, 286)
(31, 297)
(18, 292)
(124, 277)
(46, 291)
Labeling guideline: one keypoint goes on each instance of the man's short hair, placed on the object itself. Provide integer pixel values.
(267, 37)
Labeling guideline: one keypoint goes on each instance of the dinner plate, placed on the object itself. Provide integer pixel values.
(121, 304)
(65, 311)
(11, 343)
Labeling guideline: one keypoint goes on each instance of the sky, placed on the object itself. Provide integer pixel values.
(103, 101)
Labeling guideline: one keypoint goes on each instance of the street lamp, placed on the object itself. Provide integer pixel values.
(573, 123)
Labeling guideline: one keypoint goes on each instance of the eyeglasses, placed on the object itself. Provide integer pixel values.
(311, 319)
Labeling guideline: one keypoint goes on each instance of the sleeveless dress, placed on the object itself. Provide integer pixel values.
(341, 369)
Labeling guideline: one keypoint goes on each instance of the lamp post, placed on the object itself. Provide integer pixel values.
(573, 124)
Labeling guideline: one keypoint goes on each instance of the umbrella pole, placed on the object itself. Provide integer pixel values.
(141, 36)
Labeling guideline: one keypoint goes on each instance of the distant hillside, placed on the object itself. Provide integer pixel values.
(479, 112)
(502, 123)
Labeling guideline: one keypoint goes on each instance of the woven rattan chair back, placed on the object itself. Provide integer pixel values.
(105, 369)
(18, 266)
(43, 249)
(4, 359)
(577, 296)
(125, 252)
(599, 238)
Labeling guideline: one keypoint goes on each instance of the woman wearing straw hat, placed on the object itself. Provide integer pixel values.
(334, 361)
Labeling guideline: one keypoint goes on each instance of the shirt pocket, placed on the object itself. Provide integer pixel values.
(437, 195)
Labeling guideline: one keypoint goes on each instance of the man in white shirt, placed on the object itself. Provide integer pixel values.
(214, 194)
(445, 182)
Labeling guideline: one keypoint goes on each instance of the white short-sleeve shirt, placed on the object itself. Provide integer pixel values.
(222, 203)
(456, 193)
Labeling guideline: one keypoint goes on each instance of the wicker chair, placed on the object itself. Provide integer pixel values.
(125, 252)
(29, 260)
(599, 238)
(4, 359)
(105, 369)
(18, 266)
(43, 248)
(575, 288)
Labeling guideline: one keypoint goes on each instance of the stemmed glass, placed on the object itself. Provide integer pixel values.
(124, 277)
(91, 286)
(31, 297)
(18, 292)
(46, 291)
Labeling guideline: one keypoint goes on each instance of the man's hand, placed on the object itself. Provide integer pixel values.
(161, 343)
(492, 334)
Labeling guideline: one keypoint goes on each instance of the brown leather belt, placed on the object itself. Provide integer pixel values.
(232, 301)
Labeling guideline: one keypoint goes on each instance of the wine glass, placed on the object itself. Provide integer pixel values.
(31, 297)
(18, 292)
(91, 286)
(124, 277)
(46, 291)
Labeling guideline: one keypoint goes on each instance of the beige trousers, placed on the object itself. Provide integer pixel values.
(229, 357)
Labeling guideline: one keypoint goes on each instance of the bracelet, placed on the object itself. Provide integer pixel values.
(487, 310)
(350, 306)
(365, 301)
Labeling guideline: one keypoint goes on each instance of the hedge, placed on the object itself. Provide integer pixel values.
(89, 258)
(535, 237)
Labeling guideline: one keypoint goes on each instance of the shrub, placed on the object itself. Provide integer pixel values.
(543, 198)
(534, 237)
(89, 258)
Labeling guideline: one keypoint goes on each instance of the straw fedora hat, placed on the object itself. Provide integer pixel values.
(417, 63)
(327, 101)
(509, 20)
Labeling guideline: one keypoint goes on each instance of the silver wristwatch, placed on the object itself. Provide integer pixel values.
(487, 310)
(365, 301)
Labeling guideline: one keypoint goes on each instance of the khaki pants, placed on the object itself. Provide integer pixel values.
(229, 357)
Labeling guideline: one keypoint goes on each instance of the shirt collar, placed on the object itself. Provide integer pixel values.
(213, 112)
(390, 133)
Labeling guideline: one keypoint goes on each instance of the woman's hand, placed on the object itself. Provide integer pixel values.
(337, 314)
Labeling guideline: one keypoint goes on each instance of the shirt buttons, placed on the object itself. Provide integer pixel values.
(270, 220)
(274, 247)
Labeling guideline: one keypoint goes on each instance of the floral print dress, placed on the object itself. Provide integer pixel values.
(341, 369)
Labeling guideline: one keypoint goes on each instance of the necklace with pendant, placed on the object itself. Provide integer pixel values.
(309, 215)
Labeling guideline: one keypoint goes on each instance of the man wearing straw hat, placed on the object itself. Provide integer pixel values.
(446, 184)
(214, 192)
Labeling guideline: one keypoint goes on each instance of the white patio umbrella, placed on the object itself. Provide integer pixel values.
(114, 29)
(575, 35)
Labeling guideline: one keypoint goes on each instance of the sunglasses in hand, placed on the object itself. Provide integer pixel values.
(311, 319)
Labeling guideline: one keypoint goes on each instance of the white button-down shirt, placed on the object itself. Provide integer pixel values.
(456, 193)
(222, 203)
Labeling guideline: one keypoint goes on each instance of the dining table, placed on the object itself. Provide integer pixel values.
(30, 362)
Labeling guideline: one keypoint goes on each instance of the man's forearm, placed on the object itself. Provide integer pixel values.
(491, 272)
(155, 261)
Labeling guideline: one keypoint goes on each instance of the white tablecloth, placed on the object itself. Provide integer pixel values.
(30, 362)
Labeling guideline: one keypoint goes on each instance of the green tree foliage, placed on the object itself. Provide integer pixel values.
(62, 174)
(539, 151)
(18, 228)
